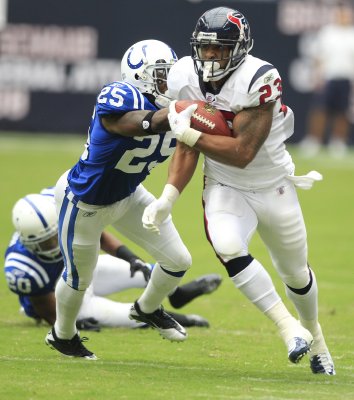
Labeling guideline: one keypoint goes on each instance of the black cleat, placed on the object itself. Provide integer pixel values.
(186, 293)
(160, 320)
(69, 347)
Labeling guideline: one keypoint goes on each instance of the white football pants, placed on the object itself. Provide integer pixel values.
(232, 216)
(81, 225)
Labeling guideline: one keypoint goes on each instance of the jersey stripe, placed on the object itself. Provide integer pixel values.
(261, 71)
(139, 101)
(16, 259)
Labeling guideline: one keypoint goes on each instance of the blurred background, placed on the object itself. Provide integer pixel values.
(56, 55)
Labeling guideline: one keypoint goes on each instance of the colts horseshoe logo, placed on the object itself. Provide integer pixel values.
(141, 62)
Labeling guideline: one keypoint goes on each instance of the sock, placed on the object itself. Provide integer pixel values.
(255, 283)
(319, 343)
(68, 303)
(286, 323)
(306, 304)
(307, 308)
(160, 285)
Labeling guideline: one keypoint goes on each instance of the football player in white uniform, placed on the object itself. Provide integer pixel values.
(249, 178)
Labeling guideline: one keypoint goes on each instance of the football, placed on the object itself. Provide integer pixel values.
(206, 118)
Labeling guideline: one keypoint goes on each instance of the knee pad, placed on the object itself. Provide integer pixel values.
(230, 249)
(300, 282)
(180, 264)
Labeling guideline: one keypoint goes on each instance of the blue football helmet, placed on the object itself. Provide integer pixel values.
(224, 27)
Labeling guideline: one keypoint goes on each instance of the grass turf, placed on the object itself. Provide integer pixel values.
(239, 357)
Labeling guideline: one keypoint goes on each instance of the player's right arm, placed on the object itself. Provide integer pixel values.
(182, 166)
(181, 169)
(122, 109)
(130, 123)
(251, 127)
(44, 306)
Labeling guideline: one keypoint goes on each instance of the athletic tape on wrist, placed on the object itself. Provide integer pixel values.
(170, 192)
(190, 137)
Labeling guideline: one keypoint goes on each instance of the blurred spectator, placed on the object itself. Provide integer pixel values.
(334, 61)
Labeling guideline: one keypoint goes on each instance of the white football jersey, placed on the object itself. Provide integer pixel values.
(255, 82)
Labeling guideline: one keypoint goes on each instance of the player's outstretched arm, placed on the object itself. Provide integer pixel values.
(44, 306)
(137, 123)
(114, 247)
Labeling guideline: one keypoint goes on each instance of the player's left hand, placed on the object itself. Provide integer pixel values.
(155, 213)
(88, 324)
(140, 265)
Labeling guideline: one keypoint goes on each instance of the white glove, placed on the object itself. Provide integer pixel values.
(157, 211)
(180, 124)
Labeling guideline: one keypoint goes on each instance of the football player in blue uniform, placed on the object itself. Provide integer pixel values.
(33, 264)
(128, 136)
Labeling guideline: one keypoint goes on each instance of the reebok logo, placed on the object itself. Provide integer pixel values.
(89, 213)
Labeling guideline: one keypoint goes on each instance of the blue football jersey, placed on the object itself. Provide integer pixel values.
(112, 166)
(27, 275)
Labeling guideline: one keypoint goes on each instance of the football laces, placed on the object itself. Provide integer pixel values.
(204, 120)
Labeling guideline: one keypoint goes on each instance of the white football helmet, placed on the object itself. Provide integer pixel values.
(146, 65)
(35, 219)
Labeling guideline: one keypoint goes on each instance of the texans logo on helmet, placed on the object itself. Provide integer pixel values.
(235, 20)
(239, 20)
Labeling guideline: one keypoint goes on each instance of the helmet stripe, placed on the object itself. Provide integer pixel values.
(40, 215)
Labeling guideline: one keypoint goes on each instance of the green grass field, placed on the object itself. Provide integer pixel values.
(239, 357)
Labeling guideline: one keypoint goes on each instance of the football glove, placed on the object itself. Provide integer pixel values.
(157, 211)
(180, 124)
(140, 265)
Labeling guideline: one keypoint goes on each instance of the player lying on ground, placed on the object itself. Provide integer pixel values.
(34, 262)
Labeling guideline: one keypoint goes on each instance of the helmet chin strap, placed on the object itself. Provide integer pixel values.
(208, 67)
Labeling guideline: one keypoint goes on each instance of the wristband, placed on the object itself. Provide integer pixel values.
(125, 254)
(170, 192)
(146, 122)
(190, 136)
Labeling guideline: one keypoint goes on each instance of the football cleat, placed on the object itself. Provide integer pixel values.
(188, 320)
(322, 364)
(298, 340)
(197, 320)
(161, 321)
(186, 293)
(297, 348)
(69, 347)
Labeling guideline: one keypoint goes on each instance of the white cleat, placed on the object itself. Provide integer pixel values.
(322, 363)
(299, 345)
(168, 327)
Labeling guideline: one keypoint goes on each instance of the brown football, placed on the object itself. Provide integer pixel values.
(206, 118)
